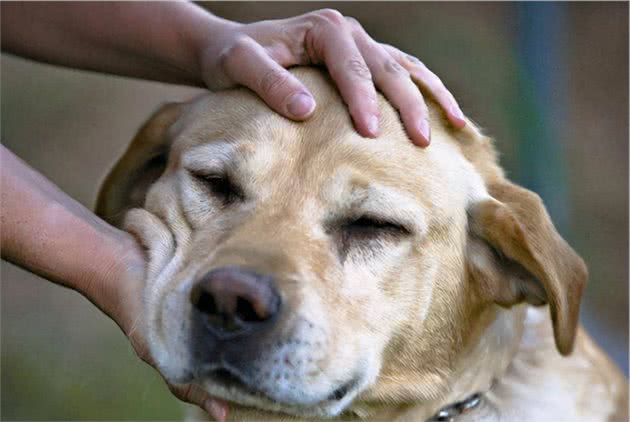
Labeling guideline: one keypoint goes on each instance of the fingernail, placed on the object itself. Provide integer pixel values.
(425, 131)
(216, 409)
(300, 104)
(457, 113)
(372, 125)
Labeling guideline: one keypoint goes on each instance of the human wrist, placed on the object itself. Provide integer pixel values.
(207, 39)
(116, 283)
(201, 34)
(52, 235)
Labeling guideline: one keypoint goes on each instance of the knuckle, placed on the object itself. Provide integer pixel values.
(273, 81)
(330, 16)
(365, 99)
(413, 60)
(412, 105)
(392, 67)
(354, 24)
(359, 68)
(416, 105)
(398, 55)
(240, 47)
(186, 393)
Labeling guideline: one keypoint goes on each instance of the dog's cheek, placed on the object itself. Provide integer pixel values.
(384, 293)
(368, 311)
(169, 321)
(416, 294)
(176, 324)
(377, 281)
(166, 309)
(196, 203)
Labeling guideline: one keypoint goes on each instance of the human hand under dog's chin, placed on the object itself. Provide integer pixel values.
(256, 55)
(123, 303)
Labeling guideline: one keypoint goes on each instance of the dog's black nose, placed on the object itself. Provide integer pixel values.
(234, 301)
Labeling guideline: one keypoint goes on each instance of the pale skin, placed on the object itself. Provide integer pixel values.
(48, 233)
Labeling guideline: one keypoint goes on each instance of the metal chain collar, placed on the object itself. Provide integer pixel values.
(452, 411)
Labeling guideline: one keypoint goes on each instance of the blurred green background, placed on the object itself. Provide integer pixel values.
(548, 80)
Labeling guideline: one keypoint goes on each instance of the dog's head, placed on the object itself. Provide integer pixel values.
(296, 266)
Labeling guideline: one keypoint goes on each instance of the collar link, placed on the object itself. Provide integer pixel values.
(451, 412)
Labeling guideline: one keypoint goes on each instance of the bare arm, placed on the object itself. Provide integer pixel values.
(48, 233)
(149, 40)
(180, 42)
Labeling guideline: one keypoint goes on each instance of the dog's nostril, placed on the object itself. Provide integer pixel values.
(206, 304)
(245, 311)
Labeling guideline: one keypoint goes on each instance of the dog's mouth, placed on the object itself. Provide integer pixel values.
(341, 392)
(231, 382)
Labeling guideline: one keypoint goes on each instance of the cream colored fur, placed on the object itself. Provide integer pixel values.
(422, 319)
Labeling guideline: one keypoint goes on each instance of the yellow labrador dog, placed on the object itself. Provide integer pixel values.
(301, 271)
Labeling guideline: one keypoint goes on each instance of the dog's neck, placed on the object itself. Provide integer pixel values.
(474, 373)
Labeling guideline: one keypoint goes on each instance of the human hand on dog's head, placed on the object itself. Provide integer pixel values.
(194, 47)
(255, 55)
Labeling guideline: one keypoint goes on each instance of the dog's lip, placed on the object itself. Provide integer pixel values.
(231, 380)
(341, 392)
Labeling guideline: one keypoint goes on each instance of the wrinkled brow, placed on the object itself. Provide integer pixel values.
(215, 156)
(358, 197)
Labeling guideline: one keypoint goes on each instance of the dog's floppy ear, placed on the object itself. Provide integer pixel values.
(515, 254)
(142, 164)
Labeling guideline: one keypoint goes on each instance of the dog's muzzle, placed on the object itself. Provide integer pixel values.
(244, 339)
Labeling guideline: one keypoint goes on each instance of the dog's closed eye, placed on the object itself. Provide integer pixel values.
(365, 232)
(366, 227)
(220, 186)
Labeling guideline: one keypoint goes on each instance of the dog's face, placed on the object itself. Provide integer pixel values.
(295, 266)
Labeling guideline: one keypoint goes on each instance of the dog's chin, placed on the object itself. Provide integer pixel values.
(223, 384)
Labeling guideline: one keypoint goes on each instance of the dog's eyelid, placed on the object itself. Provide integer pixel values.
(220, 184)
(370, 222)
(377, 222)
(207, 174)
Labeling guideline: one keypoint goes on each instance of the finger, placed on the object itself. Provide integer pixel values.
(395, 83)
(194, 394)
(335, 47)
(247, 63)
(430, 82)
(216, 408)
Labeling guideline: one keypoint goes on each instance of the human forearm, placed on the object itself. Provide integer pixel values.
(180, 42)
(50, 234)
(153, 40)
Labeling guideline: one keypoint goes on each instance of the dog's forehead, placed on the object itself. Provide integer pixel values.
(324, 155)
